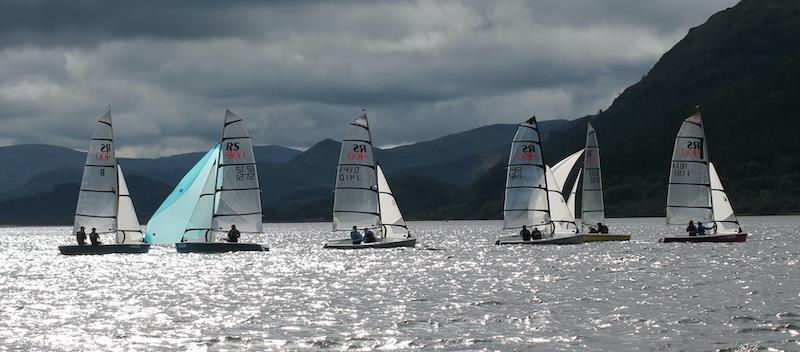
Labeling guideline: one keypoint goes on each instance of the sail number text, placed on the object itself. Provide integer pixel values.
(680, 169)
(246, 173)
(349, 173)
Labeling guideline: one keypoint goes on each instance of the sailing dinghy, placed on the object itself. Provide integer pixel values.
(533, 195)
(362, 196)
(104, 202)
(695, 191)
(592, 205)
(220, 191)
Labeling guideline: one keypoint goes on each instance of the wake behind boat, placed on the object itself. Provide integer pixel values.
(362, 197)
(533, 199)
(219, 194)
(695, 192)
(104, 202)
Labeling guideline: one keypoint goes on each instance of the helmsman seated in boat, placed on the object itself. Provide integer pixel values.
(233, 234)
(602, 228)
(525, 233)
(691, 229)
(536, 234)
(94, 237)
(369, 236)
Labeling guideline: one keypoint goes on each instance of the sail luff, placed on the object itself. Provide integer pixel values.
(689, 191)
(526, 195)
(592, 205)
(97, 198)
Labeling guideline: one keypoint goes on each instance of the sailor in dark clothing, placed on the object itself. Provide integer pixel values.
(691, 229)
(525, 233)
(592, 229)
(81, 236)
(369, 237)
(94, 237)
(233, 234)
(602, 228)
(536, 234)
(355, 236)
(701, 229)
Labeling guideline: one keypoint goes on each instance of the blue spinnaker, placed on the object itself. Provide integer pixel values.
(171, 219)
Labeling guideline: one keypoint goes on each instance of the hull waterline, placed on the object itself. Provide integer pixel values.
(560, 240)
(384, 243)
(718, 238)
(104, 249)
(219, 247)
(605, 237)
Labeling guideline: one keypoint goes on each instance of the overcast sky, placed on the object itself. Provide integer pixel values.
(298, 71)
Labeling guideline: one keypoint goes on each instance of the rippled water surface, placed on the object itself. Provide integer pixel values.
(455, 291)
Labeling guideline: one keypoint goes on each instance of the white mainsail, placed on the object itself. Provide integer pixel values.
(689, 191)
(592, 208)
(560, 214)
(724, 217)
(128, 228)
(238, 195)
(355, 199)
(526, 190)
(97, 199)
(392, 222)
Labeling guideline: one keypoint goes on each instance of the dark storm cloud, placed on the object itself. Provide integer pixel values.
(298, 71)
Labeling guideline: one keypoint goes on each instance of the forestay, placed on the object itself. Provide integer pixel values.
(689, 191)
(355, 198)
(392, 222)
(238, 195)
(592, 208)
(171, 219)
(724, 217)
(526, 185)
(128, 228)
(97, 198)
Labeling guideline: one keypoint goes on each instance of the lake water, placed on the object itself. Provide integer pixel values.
(455, 291)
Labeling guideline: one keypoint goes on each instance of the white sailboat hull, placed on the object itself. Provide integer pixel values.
(558, 239)
(347, 243)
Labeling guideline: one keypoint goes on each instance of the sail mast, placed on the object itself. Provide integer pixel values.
(97, 198)
(689, 191)
(526, 199)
